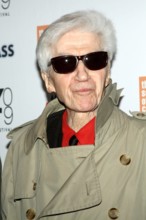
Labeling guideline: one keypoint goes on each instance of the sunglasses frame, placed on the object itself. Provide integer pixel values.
(85, 59)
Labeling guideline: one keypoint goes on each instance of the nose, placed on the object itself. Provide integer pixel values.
(81, 71)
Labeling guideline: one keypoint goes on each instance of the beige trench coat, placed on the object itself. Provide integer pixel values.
(99, 182)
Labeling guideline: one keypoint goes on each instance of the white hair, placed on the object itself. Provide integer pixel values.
(86, 20)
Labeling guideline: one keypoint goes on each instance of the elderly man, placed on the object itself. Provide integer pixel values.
(83, 158)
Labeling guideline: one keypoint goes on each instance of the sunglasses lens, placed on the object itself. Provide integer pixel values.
(64, 64)
(96, 60)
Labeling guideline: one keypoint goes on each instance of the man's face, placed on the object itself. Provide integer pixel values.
(82, 89)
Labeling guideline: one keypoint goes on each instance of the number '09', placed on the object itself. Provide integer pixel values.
(5, 4)
(7, 100)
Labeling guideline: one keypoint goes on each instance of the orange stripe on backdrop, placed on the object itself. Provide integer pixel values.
(40, 30)
(142, 93)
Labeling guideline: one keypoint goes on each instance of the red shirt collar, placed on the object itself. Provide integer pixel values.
(86, 135)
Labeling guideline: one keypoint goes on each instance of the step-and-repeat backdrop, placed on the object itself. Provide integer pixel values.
(22, 97)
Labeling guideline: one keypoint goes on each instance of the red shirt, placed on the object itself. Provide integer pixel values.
(86, 135)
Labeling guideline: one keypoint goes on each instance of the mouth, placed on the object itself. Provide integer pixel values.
(83, 91)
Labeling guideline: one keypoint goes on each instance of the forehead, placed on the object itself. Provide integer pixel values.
(77, 41)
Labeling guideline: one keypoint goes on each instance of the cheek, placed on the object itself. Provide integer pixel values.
(61, 85)
(100, 82)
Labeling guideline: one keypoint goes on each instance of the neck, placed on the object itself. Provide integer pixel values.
(76, 120)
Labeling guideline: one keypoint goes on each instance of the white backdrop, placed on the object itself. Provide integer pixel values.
(21, 94)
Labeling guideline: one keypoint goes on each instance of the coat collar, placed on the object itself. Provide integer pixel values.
(37, 128)
(110, 99)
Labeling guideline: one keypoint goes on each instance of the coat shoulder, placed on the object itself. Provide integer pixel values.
(20, 129)
(139, 115)
(135, 120)
(138, 120)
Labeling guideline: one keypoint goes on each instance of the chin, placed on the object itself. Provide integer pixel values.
(86, 109)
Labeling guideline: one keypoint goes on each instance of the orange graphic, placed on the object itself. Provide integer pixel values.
(142, 93)
(40, 30)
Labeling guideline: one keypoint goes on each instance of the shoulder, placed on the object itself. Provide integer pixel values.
(20, 129)
(135, 116)
(135, 120)
(136, 123)
(139, 115)
(138, 119)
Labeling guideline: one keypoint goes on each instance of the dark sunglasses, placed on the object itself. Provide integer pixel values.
(68, 63)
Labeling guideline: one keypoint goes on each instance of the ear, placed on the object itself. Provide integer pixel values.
(108, 74)
(48, 82)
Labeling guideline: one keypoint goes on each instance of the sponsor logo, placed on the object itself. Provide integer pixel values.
(6, 109)
(142, 93)
(4, 8)
(6, 51)
(40, 30)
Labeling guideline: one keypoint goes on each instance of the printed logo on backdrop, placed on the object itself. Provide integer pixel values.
(6, 109)
(40, 30)
(142, 93)
(4, 8)
(6, 50)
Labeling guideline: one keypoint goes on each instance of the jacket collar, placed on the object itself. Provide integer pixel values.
(38, 129)
(110, 99)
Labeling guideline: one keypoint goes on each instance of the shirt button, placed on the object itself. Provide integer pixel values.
(30, 214)
(125, 160)
(113, 213)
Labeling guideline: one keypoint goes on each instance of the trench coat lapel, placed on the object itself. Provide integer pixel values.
(80, 191)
